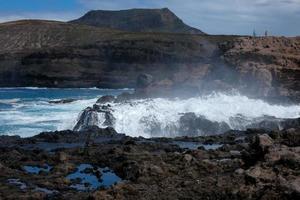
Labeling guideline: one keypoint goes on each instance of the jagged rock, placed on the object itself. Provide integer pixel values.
(105, 99)
(89, 117)
(190, 124)
(261, 144)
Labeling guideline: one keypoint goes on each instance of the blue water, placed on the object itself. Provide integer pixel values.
(36, 169)
(88, 181)
(27, 111)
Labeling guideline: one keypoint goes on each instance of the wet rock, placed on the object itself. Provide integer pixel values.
(110, 120)
(192, 125)
(105, 99)
(144, 80)
(62, 101)
(263, 142)
(89, 117)
(125, 96)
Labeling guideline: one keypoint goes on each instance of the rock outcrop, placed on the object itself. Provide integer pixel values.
(193, 125)
(263, 166)
(272, 64)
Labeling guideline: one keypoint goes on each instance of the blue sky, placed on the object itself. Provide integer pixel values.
(279, 17)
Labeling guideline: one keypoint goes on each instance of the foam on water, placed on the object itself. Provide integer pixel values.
(136, 118)
(27, 111)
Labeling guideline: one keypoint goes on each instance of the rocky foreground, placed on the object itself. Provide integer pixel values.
(252, 164)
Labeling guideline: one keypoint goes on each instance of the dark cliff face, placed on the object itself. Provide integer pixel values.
(57, 54)
(138, 20)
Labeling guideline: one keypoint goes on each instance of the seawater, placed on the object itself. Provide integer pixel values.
(137, 118)
(27, 111)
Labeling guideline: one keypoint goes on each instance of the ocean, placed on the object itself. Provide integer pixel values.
(27, 111)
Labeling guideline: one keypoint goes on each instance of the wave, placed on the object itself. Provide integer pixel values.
(9, 101)
(142, 117)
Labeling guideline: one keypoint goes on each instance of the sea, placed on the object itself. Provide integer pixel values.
(27, 111)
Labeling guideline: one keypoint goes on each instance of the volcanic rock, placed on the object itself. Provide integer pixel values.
(105, 99)
(190, 124)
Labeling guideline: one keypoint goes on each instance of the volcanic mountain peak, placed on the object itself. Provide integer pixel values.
(138, 20)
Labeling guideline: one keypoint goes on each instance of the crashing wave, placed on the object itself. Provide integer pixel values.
(163, 117)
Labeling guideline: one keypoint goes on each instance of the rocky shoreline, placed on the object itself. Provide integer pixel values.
(252, 164)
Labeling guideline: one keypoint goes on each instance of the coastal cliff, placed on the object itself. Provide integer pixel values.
(57, 54)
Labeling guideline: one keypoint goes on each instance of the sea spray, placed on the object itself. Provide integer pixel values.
(160, 117)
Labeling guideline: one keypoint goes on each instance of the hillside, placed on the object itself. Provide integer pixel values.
(137, 20)
(58, 54)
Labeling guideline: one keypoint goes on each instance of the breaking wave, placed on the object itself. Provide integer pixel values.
(141, 117)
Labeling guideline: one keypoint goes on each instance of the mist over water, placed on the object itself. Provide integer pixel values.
(138, 118)
(27, 112)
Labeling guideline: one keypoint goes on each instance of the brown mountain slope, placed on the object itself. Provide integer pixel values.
(137, 20)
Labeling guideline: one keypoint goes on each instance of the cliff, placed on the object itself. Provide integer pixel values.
(57, 54)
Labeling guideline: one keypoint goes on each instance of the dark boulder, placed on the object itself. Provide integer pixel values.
(144, 80)
(290, 123)
(89, 117)
(105, 99)
(93, 117)
(125, 96)
(192, 125)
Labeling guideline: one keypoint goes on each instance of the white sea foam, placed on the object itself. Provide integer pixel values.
(31, 118)
(9, 101)
(136, 118)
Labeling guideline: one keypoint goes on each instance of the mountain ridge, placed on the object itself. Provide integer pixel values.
(137, 20)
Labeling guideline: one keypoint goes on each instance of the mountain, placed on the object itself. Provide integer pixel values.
(137, 20)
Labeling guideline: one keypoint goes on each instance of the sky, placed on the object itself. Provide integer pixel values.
(238, 17)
